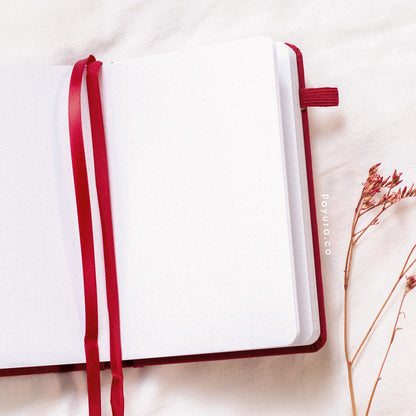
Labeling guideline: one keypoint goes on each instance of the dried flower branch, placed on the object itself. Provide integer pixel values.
(378, 194)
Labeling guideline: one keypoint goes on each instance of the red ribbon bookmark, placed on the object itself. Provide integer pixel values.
(86, 235)
(104, 202)
(79, 168)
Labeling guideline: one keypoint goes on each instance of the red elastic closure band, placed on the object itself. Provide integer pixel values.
(86, 235)
(318, 97)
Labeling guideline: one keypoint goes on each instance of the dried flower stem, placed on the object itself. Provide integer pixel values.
(346, 283)
(405, 269)
(395, 329)
(355, 236)
(374, 322)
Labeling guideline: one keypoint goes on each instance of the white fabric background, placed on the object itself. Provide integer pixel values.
(364, 48)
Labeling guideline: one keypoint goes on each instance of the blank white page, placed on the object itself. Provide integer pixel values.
(42, 304)
(199, 206)
(42, 318)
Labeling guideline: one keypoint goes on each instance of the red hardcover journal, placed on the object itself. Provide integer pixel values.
(201, 160)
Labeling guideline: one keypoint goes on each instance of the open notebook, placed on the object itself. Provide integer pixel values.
(211, 214)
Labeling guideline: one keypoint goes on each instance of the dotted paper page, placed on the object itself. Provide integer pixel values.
(41, 308)
(199, 209)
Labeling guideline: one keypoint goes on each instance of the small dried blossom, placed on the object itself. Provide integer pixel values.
(374, 181)
(372, 195)
(410, 283)
(391, 198)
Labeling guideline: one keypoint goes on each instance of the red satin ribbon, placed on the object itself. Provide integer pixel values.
(104, 202)
(79, 168)
(86, 235)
